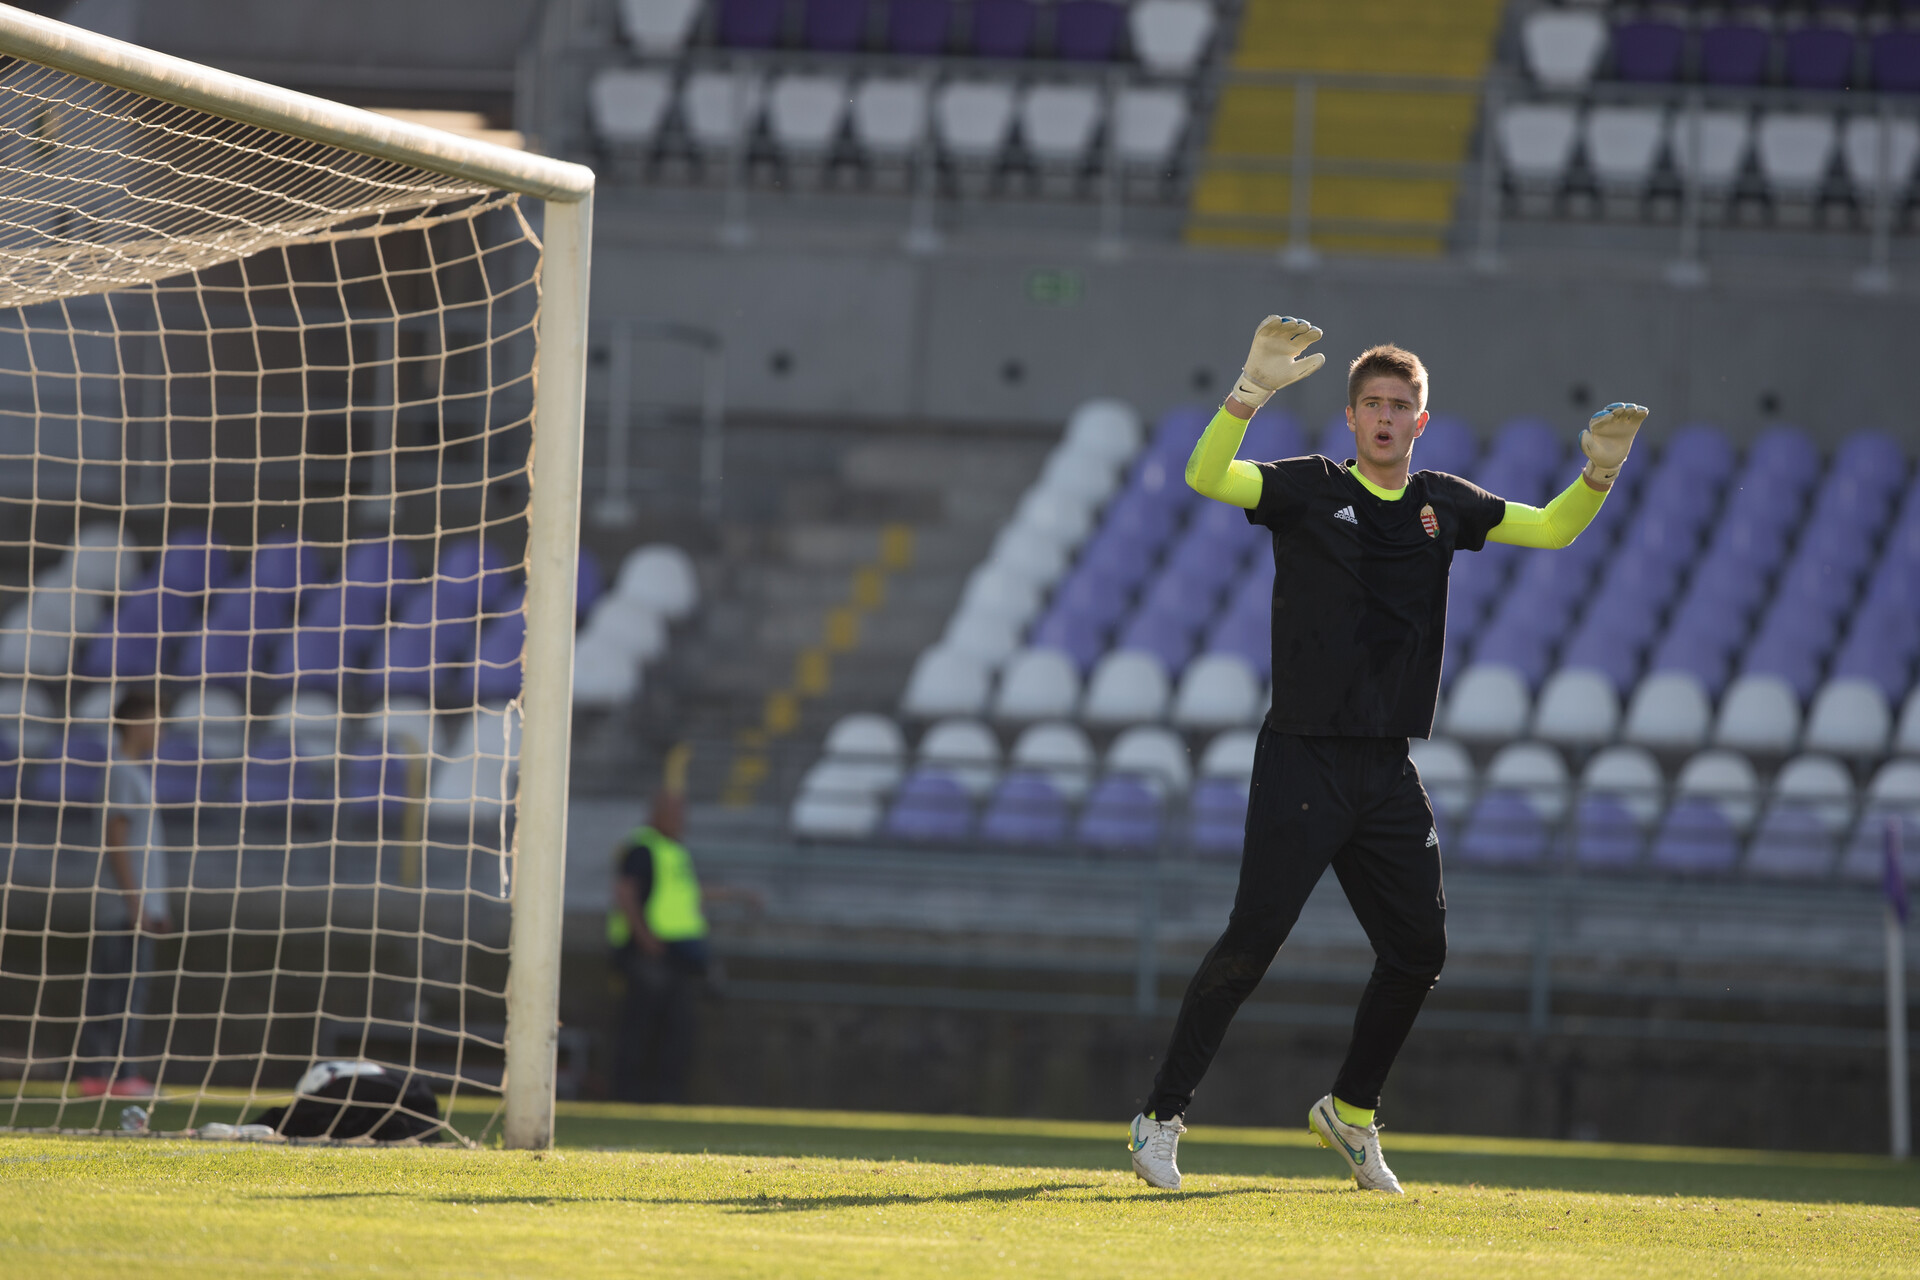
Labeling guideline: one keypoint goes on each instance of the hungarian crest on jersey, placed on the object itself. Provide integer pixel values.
(1429, 521)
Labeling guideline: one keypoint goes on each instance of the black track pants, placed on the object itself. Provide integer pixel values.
(1355, 803)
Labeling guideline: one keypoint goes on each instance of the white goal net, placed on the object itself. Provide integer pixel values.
(269, 527)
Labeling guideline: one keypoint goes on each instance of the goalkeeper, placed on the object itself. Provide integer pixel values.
(1361, 554)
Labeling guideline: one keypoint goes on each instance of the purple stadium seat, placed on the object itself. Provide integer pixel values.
(464, 562)
(283, 563)
(410, 669)
(219, 657)
(77, 776)
(930, 805)
(1528, 653)
(267, 774)
(1095, 590)
(1503, 830)
(189, 563)
(750, 24)
(9, 770)
(1793, 843)
(1819, 57)
(1793, 660)
(1273, 433)
(1695, 837)
(1002, 28)
(1167, 637)
(1868, 655)
(379, 578)
(1873, 456)
(1446, 445)
(1080, 636)
(1192, 595)
(1605, 834)
(836, 26)
(1025, 809)
(176, 771)
(1248, 636)
(1476, 579)
(1702, 449)
(590, 583)
(1865, 856)
(1122, 813)
(1896, 61)
(498, 657)
(1204, 560)
(1335, 441)
(1785, 451)
(1087, 31)
(1648, 52)
(1219, 816)
(130, 647)
(1121, 553)
(1613, 654)
(918, 26)
(1734, 53)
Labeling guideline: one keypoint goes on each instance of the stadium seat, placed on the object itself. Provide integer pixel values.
(871, 745)
(1795, 149)
(805, 113)
(750, 24)
(1727, 780)
(1060, 513)
(1906, 736)
(38, 634)
(1217, 690)
(995, 589)
(1709, 146)
(1893, 795)
(1563, 47)
(605, 673)
(1037, 684)
(1230, 755)
(1630, 775)
(1106, 429)
(919, 26)
(1217, 816)
(658, 26)
(1170, 36)
(1734, 53)
(1819, 55)
(629, 104)
(403, 728)
(987, 638)
(931, 805)
(1821, 785)
(834, 802)
(1002, 28)
(1502, 829)
(101, 560)
(1122, 815)
(1127, 687)
(1790, 843)
(1027, 808)
(214, 718)
(1605, 834)
(1533, 771)
(890, 117)
(1537, 141)
(1668, 711)
(27, 718)
(1025, 553)
(1087, 30)
(1695, 837)
(310, 720)
(1860, 149)
(1148, 123)
(946, 683)
(662, 577)
(1058, 122)
(1623, 145)
(834, 26)
(965, 750)
(1154, 755)
(1446, 771)
(1895, 57)
(972, 119)
(467, 785)
(1059, 751)
(1487, 702)
(721, 108)
(1648, 51)
(1759, 713)
(1850, 717)
(1577, 707)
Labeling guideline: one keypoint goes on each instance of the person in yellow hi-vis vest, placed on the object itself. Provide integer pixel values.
(659, 939)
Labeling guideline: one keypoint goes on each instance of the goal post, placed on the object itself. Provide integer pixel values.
(135, 186)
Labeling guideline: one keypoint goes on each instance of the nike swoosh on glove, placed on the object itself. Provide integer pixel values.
(1275, 360)
(1608, 439)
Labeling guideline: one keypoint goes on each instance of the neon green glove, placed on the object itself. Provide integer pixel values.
(1608, 439)
(1275, 360)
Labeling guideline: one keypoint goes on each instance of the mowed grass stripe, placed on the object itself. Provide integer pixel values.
(703, 1192)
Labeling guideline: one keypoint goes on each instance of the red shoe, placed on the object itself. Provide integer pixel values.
(132, 1087)
(95, 1086)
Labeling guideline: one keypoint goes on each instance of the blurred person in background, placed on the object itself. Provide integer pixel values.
(130, 908)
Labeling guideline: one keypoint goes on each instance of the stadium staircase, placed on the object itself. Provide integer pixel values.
(1386, 154)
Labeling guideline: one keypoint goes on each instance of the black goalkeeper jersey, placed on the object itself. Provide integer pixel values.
(1360, 594)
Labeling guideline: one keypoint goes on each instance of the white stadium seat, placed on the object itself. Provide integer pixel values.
(27, 718)
(1446, 771)
(1536, 772)
(1623, 145)
(1147, 125)
(94, 708)
(625, 625)
(1217, 690)
(404, 727)
(605, 672)
(1488, 701)
(1537, 140)
(1860, 143)
(1058, 122)
(1230, 755)
(1726, 778)
(628, 104)
(1758, 713)
(1631, 775)
(661, 575)
(721, 107)
(479, 775)
(990, 638)
(1795, 148)
(1061, 515)
(973, 118)
(311, 719)
(1668, 711)
(1127, 687)
(1156, 756)
(890, 116)
(1073, 476)
(870, 742)
(946, 683)
(1037, 684)
(100, 560)
(834, 802)
(1025, 552)
(658, 26)
(965, 749)
(1896, 786)
(1061, 751)
(1906, 738)
(38, 634)
(1562, 46)
(1723, 138)
(1818, 783)
(1577, 707)
(999, 591)
(1850, 717)
(805, 112)
(1108, 429)
(1170, 36)
(216, 717)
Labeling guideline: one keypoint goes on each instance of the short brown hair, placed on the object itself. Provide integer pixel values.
(1386, 361)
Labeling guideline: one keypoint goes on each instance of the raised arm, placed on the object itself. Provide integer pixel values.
(1606, 441)
(1274, 361)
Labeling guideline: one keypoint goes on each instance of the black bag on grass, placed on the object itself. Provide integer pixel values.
(353, 1100)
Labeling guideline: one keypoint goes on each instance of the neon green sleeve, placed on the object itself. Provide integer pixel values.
(1212, 470)
(1553, 526)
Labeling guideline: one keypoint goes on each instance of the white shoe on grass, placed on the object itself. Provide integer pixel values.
(1360, 1148)
(1154, 1144)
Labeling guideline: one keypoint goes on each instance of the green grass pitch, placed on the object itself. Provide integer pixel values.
(708, 1192)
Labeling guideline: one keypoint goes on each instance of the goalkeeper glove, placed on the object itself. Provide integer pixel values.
(1275, 360)
(1608, 438)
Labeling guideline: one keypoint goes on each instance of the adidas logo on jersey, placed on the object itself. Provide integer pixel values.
(1346, 513)
(1433, 838)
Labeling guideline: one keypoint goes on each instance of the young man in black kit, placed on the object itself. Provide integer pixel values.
(1361, 555)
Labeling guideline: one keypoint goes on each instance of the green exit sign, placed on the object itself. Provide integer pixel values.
(1054, 287)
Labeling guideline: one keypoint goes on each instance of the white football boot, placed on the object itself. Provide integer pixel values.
(1154, 1144)
(1360, 1148)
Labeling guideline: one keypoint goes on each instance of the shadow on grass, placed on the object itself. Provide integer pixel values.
(1606, 1170)
(769, 1202)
